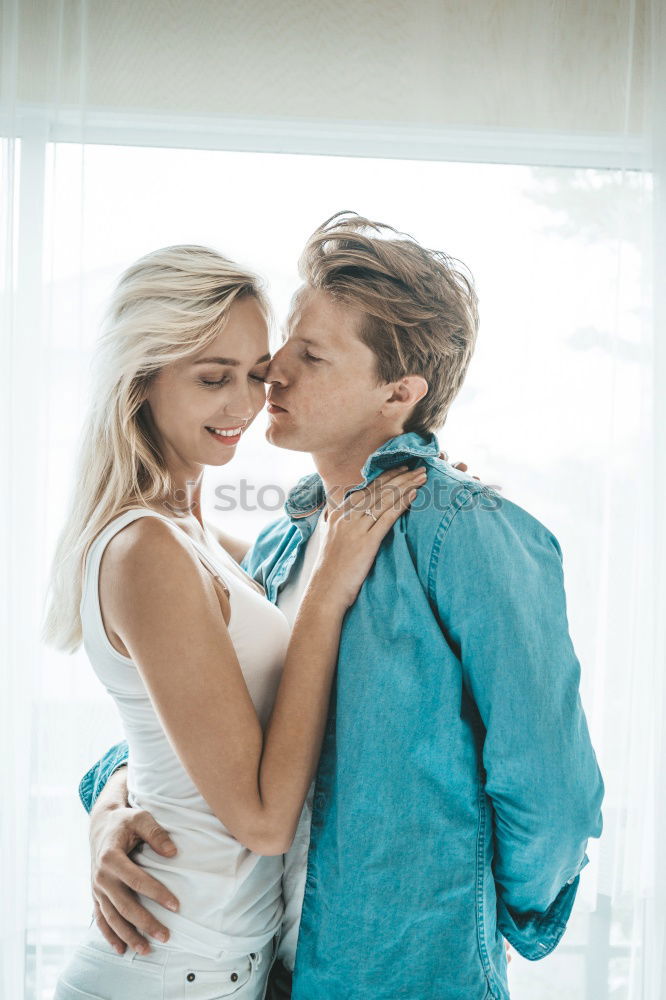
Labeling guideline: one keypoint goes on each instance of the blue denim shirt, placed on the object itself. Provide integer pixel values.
(457, 785)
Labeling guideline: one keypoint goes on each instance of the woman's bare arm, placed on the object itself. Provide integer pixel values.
(165, 610)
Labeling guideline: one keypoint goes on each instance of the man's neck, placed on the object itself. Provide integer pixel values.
(341, 469)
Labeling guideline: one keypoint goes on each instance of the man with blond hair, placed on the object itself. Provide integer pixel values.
(457, 785)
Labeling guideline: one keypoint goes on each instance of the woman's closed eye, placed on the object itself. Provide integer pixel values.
(225, 379)
(311, 357)
(215, 382)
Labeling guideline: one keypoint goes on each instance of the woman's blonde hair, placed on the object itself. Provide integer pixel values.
(419, 306)
(167, 306)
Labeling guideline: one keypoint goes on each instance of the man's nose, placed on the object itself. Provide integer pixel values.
(276, 372)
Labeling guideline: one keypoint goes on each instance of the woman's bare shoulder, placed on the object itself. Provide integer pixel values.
(146, 540)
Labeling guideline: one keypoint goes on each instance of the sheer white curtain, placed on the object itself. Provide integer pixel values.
(525, 137)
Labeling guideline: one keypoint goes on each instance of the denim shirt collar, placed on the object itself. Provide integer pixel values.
(308, 496)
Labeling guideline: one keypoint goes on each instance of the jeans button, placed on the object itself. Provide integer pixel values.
(234, 977)
(191, 977)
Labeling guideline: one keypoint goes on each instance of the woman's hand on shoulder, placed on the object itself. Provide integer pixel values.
(357, 528)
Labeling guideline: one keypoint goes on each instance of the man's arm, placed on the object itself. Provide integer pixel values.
(498, 587)
(94, 780)
(115, 830)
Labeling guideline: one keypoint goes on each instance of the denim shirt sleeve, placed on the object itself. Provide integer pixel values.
(94, 780)
(497, 582)
(260, 557)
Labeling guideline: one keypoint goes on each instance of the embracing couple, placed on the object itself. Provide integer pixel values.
(355, 752)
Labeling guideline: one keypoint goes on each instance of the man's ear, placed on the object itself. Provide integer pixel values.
(406, 392)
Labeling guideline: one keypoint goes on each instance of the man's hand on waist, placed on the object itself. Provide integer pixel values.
(115, 830)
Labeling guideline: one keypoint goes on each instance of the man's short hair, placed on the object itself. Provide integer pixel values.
(420, 308)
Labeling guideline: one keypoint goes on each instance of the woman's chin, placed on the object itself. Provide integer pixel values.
(221, 458)
(219, 451)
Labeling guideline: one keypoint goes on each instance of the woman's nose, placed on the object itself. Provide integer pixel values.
(242, 405)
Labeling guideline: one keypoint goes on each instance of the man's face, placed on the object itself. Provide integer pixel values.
(324, 397)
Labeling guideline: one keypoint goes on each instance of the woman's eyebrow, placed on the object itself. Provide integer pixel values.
(232, 362)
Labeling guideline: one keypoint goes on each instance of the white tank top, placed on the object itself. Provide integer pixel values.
(230, 898)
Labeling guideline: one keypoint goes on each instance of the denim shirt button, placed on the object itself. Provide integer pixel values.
(320, 800)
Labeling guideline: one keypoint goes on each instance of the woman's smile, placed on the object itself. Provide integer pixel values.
(226, 435)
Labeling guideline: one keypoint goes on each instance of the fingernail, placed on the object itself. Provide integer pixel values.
(172, 906)
(121, 951)
(162, 936)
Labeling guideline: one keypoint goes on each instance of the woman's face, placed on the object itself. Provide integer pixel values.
(201, 406)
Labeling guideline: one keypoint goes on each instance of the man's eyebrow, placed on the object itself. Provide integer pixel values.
(308, 341)
(231, 362)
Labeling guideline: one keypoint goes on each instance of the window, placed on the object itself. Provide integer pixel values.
(561, 341)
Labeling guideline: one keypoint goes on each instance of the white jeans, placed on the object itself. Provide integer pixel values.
(97, 972)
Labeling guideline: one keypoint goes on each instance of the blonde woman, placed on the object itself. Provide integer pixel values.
(223, 712)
